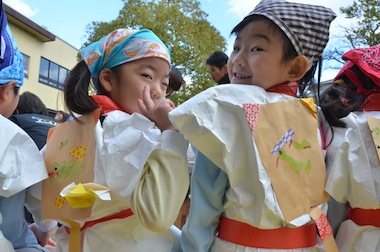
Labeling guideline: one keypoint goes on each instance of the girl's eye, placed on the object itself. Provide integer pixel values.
(147, 76)
(165, 84)
(256, 49)
(236, 48)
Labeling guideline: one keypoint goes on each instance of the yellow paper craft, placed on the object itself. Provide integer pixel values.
(309, 102)
(84, 195)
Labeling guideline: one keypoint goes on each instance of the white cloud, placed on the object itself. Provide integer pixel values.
(22, 7)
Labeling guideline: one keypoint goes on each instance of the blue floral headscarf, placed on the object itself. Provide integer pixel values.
(121, 46)
(11, 66)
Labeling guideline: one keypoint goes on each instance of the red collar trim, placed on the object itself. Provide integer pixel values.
(288, 88)
(371, 103)
(105, 103)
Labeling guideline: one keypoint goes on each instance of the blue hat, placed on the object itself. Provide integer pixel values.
(11, 66)
(122, 46)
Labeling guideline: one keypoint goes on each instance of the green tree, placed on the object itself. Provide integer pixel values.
(182, 26)
(367, 32)
(364, 34)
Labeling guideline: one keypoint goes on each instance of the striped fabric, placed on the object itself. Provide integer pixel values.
(307, 26)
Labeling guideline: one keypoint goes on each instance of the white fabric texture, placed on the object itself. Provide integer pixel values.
(21, 164)
(215, 123)
(354, 179)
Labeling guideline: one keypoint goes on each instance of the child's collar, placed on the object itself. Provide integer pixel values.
(288, 88)
(105, 103)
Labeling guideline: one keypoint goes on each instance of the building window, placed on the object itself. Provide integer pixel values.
(52, 74)
(25, 62)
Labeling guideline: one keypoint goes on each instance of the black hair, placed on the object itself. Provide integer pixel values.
(30, 103)
(287, 46)
(218, 59)
(16, 90)
(76, 88)
(175, 79)
(342, 98)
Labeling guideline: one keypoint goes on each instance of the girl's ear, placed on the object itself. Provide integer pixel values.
(106, 79)
(298, 68)
(6, 89)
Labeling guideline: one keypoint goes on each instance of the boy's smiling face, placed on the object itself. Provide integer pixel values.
(257, 57)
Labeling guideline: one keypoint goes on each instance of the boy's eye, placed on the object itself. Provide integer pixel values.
(236, 48)
(165, 84)
(256, 49)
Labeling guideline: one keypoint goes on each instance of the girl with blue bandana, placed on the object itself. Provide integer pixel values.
(139, 154)
(21, 164)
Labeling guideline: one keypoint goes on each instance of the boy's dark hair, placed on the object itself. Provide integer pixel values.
(30, 103)
(218, 59)
(288, 48)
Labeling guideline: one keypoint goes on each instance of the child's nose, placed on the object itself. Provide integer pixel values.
(239, 58)
(155, 91)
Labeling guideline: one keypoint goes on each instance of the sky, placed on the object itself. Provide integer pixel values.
(68, 19)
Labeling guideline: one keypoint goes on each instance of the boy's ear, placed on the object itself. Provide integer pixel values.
(6, 89)
(298, 68)
(106, 79)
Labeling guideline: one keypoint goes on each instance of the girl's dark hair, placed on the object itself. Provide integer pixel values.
(339, 100)
(30, 103)
(76, 88)
(287, 46)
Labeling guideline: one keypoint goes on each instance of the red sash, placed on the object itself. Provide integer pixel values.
(280, 238)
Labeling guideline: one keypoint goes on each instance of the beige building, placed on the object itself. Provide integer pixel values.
(47, 59)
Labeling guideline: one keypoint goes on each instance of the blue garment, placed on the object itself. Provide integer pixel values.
(208, 187)
(14, 225)
(11, 66)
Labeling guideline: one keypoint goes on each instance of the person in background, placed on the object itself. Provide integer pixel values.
(32, 116)
(175, 80)
(259, 175)
(139, 155)
(352, 109)
(22, 167)
(217, 65)
(62, 116)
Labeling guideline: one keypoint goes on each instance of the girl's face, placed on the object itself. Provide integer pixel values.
(134, 76)
(257, 56)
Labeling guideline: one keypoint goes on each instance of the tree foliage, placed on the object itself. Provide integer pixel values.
(366, 33)
(182, 26)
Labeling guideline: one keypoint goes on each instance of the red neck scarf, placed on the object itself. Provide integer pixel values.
(288, 88)
(105, 103)
(371, 103)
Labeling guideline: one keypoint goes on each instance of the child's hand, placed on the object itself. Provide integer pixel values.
(157, 111)
(43, 238)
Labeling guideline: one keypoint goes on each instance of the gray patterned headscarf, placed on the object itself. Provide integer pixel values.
(307, 26)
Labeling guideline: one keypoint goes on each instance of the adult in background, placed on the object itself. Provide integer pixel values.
(217, 65)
